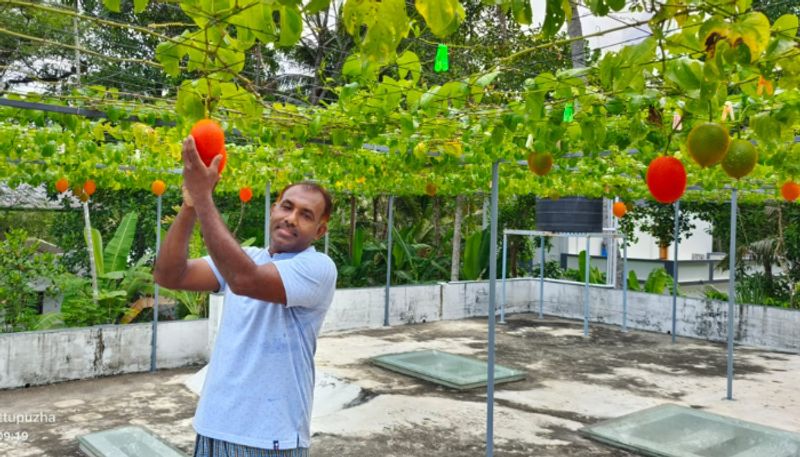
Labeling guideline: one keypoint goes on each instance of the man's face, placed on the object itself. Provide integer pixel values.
(296, 220)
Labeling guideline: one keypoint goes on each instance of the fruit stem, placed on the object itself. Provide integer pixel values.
(241, 217)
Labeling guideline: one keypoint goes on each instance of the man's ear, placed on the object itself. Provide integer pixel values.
(322, 229)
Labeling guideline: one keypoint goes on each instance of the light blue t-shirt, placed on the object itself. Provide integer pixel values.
(260, 383)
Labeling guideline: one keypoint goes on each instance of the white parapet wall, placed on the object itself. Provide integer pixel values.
(755, 325)
(34, 358)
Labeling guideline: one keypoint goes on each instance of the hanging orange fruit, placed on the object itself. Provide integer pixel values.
(210, 141)
(790, 191)
(540, 162)
(62, 185)
(245, 194)
(89, 187)
(620, 209)
(666, 179)
(80, 193)
(430, 189)
(158, 187)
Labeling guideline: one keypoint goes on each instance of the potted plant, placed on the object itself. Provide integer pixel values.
(659, 221)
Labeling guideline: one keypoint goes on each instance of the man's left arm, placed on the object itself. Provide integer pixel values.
(243, 276)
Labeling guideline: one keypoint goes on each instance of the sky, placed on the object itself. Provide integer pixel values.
(592, 24)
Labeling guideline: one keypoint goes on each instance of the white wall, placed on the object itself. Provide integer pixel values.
(698, 318)
(699, 242)
(33, 358)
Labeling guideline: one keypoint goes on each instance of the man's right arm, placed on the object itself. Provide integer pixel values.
(173, 269)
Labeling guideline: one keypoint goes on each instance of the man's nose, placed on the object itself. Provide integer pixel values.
(291, 218)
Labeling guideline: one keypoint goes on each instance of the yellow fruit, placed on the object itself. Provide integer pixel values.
(740, 159)
(708, 143)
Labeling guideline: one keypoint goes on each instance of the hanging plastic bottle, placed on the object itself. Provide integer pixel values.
(441, 63)
(569, 112)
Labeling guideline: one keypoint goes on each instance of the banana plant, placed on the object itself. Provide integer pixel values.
(114, 257)
(476, 255)
(120, 284)
(657, 281)
(412, 259)
(595, 275)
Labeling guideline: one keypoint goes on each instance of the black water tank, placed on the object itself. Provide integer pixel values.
(569, 214)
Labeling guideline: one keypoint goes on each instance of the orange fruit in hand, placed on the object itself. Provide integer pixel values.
(666, 179)
(620, 209)
(708, 143)
(158, 187)
(245, 194)
(62, 185)
(740, 159)
(790, 191)
(89, 187)
(210, 141)
(540, 162)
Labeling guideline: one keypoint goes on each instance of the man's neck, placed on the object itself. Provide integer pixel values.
(273, 251)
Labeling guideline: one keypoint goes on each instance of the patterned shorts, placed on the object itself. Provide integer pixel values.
(209, 447)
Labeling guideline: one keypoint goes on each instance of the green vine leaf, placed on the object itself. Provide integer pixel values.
(442, 16)
(554, 16)
(140, 5)
(315, 6)
(169, 55)
(408, 64)
(291, 25)
(385, 22)
(523, 13)
(112, 5)
(686, 73)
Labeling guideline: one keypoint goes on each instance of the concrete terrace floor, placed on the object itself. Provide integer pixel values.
(572, 381)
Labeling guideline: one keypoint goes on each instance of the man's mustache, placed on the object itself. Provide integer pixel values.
(285, 225)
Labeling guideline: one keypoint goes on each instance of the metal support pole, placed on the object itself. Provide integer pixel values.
(492, 300)
(76, 31)
(731, 292)
(327, 241)
(676, 240)
(588, 266)
(485, 213)
(541, 280)
(533, 260)
(90, 246)
(154, 332)
(503, 301)
(608, 212)
(624, 285)
(267, 205)
(388, 263)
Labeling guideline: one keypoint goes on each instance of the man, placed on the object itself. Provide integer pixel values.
(258, 392)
